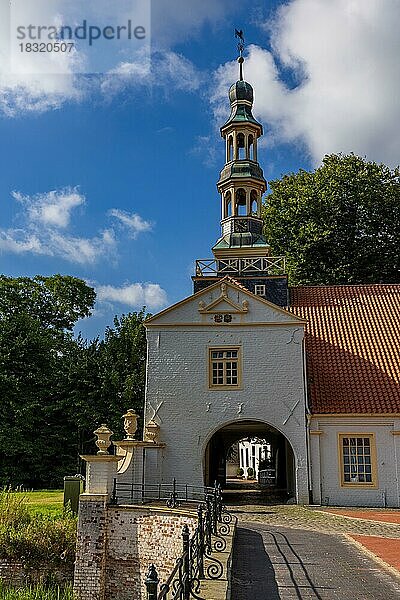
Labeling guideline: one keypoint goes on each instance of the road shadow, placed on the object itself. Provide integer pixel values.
(252, 571)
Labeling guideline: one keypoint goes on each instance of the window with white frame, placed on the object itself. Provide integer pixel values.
(224, 368)
(357, 460)
(259, 289)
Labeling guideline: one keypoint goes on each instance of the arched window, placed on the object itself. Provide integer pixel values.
(241, 202)
(240, 146)
(254, 202)
(251, 147)
(228, 205)
(230, 148)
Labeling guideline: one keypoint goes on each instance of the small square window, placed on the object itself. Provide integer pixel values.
(259, 290)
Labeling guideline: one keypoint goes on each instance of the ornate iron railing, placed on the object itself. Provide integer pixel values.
(274, 265)
(172, 493)
(197, 561)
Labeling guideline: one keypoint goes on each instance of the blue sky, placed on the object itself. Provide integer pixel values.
(112, 177)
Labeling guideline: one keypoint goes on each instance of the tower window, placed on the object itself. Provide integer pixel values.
(224, 368)
(241, 208)
(228, 205)
(240, 146)
(230, 148)
(259, 289)
(251, 147)
(254, 202)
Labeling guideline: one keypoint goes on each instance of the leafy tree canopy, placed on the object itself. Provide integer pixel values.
(56, 389)
(338, 224)
(56, 302)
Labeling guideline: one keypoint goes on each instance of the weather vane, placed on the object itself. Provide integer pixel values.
(239, 35)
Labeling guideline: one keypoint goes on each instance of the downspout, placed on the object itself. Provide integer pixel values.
(308, 416)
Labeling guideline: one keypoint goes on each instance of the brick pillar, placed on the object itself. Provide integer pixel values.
(90, 564)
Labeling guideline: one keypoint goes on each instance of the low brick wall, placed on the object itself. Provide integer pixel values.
(14, 573)
(116, 544)
(137, 538)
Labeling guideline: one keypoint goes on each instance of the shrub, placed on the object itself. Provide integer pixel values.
(40, 542)
(240, 472)
(13, 509)
(250, 472)
(37, 592)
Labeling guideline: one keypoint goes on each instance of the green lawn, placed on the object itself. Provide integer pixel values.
(49, 502)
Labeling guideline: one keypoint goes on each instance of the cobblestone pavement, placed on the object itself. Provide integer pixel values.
(303, 517)
(281, 563)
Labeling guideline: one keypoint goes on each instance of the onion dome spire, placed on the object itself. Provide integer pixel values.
(241, 182)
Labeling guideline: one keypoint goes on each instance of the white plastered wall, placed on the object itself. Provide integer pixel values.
(189, 413)
(325, 462)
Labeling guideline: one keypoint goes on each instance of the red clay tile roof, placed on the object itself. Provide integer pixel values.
(352, 346)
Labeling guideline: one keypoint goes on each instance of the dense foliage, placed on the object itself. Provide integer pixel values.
(36, 592)
(56, 389)
(44, 544)
(338, 224)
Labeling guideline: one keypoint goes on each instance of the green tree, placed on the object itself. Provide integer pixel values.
(56, 302)
(102, 379)
(338, 224)
(35, 318)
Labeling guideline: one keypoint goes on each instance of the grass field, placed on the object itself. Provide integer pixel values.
(48, 502)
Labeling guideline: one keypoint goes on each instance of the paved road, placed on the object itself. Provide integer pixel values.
(277, 563)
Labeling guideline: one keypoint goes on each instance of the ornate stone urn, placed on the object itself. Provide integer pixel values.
(103, 434)
(152, 432)
(130, 424)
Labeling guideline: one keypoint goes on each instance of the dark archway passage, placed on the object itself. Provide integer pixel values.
(276, 480)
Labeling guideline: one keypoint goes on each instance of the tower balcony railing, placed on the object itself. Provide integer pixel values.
(273, 265)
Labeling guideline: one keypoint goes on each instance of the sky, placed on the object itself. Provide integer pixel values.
(109, 158)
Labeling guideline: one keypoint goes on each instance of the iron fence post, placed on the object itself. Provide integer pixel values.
(200, 529)
(219, 502)
(186, 563)
(214, 509)
(151, 583)
(208, 523)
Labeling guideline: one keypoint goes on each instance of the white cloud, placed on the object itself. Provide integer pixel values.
(171, 68)
(43, 217)
(77, 250)
(37, 84)
(150, 295)
(52, 208)
(168, 70)
(132, 222)
(18, 242)
(82, 250)
(343, 57)
(29, 83)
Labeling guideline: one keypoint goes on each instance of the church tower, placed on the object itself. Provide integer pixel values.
(242, 250)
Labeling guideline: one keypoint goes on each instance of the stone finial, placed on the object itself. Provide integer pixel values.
(130, 423)
(151, 432)
(103, 434)
(223, 289)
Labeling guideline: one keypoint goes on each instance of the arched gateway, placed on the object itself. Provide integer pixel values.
(231, 353)
(272, 455)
